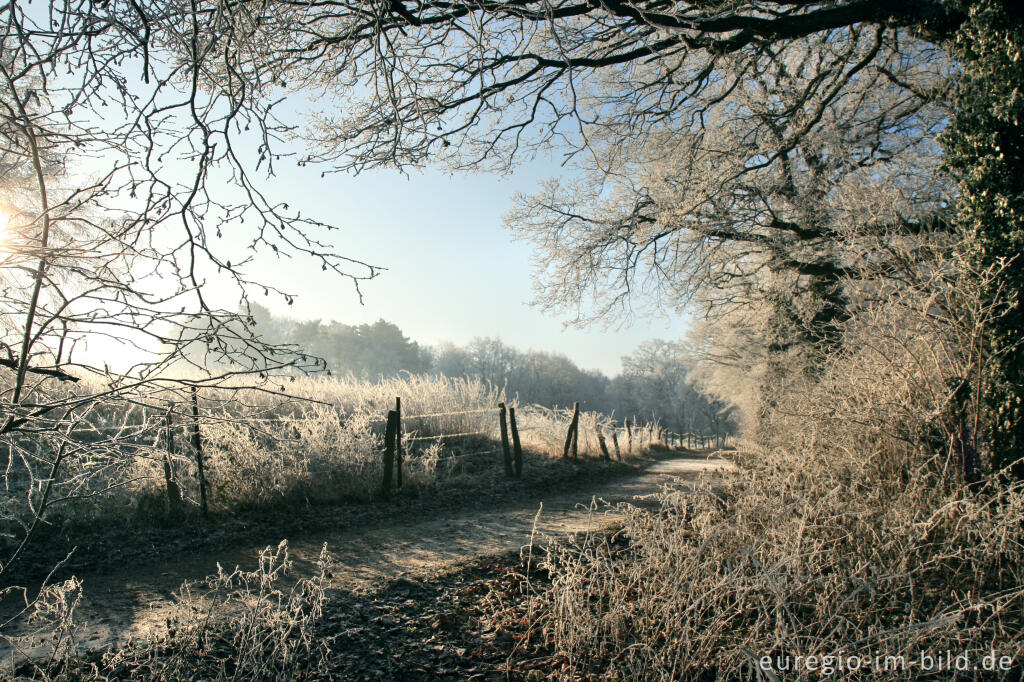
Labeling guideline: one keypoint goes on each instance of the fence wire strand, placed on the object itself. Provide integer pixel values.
(438, 414)
(466, 455)
(447, 435)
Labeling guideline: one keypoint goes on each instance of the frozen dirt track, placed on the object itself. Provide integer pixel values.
(118, 604)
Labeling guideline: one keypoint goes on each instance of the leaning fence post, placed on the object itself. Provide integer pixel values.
(516, 447)
(506, 452)
(173, 489)
(389, 453)
(615, 442)
(601, 442)
(568, 437)
(197, 446)
(398, 442)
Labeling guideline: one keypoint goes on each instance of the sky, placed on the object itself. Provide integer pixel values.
(453, 271)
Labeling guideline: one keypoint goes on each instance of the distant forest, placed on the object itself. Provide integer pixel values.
(653, 385)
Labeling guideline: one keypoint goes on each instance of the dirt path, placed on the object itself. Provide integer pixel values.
(116, 605)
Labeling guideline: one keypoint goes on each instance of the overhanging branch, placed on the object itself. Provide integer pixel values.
(45, 371)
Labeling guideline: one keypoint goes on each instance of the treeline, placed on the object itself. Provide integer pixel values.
(366, 351)
(655, 383)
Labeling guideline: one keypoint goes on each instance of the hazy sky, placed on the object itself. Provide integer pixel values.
(453, 270)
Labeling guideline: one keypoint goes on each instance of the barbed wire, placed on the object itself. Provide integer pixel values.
(136, 430)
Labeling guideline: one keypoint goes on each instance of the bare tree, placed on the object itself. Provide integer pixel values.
(728, 154)
(657, 383)
(774, 182)
(478, 83)
(114, 136)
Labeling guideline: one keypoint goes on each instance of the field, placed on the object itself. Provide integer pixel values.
(320, 443)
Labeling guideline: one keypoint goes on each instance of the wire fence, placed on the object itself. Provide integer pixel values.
(176, 435)
(152, 430)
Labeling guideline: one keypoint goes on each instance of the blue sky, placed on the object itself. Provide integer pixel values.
(453, 271)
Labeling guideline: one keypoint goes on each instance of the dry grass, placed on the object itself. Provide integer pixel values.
(791, 559)
(234, 625)
(848, 532)
(318, 443)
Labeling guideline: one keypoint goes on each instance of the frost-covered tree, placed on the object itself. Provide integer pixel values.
(779, 184)
(657, 383)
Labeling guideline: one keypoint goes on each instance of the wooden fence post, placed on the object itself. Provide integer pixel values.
(629, 437)
(506, 452)
(516, 447)
(389, 453)
(398, 442)
(173, 489)
(575, 430)
(615, 442)
(602, 444)
(197, 446)
(568, 437)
